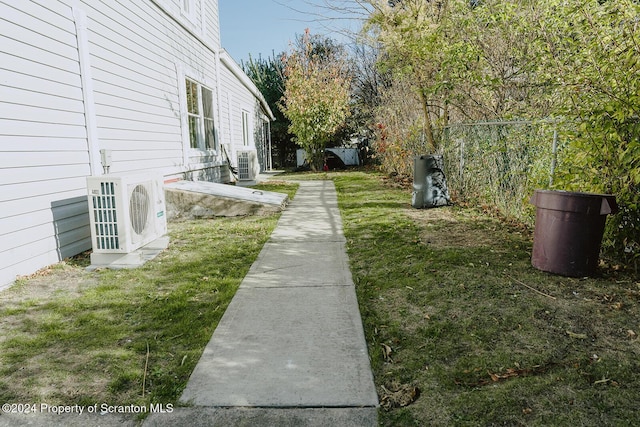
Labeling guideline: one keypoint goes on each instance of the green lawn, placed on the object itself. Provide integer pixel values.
(127, 337)
(461, 329)
(454, 311)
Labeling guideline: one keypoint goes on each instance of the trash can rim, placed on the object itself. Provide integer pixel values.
(572, 201)
(574, 193)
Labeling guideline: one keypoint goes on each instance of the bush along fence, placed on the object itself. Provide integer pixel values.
(500, 165)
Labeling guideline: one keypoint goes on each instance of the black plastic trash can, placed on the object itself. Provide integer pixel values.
(568, 231)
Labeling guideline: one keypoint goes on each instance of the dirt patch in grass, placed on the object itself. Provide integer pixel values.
(442, 229)
(64, 277)
(22, 303)
(452, 227)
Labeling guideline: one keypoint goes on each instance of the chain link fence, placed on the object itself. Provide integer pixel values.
(500, 164)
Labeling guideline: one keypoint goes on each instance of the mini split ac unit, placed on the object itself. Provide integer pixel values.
(247, 161)
(126, 211)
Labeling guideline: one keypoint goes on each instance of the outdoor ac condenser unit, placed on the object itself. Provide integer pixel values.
(248, 166)
(245, 167)
(126, 211)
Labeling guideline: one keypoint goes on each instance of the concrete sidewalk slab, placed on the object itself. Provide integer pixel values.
(323, 226)
(290, 348)
(37, 419)
(286, 347)
(313, 216)
(299, 264)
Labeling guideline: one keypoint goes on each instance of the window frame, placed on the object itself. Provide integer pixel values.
(187, 9)
(246, 131)
(200, 116)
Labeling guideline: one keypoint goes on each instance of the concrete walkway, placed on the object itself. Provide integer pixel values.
(290, 348)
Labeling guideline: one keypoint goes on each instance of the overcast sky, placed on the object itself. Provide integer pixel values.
(261, 27)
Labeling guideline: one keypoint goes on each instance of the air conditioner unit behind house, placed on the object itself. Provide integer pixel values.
(126, 211)
(247, 164)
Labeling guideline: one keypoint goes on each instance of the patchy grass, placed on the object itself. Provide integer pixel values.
(461, 329)
(130, 336)
(278, 186)
(455, 314)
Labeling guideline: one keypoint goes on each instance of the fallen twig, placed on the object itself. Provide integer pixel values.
(146, 364)
(507, 374)
(576, 336)
(533, 289)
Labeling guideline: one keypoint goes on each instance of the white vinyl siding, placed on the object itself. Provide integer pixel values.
(199, 17)
(135, 85)
(242, 114)
(239, 104)
(43, 141)
(132, 51)
(186, 7)
(210, 29)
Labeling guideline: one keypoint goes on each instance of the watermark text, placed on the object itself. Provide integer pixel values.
(96, 408)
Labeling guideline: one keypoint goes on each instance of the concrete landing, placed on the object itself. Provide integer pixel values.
(201, 199)
(134, 259)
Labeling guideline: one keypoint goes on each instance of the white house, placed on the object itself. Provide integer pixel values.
(138, 85)
(245, 117)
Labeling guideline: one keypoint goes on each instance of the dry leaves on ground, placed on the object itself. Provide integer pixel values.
(397, 395)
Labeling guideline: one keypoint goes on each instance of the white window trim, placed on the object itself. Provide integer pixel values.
(201, 138)
(187, 21)
(183, 73)
(188, 11)
(246, 128)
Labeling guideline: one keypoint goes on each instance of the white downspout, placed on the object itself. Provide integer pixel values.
(93, 143)
(269, 138)
(219, 100)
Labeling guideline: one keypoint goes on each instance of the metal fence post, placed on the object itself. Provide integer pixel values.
(554, 156)
(462, 161)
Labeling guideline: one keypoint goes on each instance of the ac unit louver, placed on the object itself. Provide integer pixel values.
(245, 166)
(244, 171)
(126, 212)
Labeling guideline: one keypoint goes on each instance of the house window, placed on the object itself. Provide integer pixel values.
(200, 116)
(245, 128)
(187, 6)
(207, 116)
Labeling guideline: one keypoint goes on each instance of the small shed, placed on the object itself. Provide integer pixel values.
(349, 156)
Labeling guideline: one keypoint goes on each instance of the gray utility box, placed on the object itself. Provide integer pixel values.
(429, 183)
